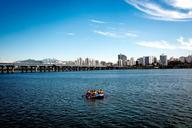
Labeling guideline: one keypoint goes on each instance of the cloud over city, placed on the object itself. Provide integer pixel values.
(175, 10)
(181, 44)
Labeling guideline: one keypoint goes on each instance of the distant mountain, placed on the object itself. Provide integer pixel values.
(29, 61)
(39, 62)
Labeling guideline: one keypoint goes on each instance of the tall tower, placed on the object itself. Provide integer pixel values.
(122, 60)
(163, 60)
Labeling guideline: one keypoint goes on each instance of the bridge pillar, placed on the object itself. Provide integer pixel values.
(42, 68)
(26, 68)
(49, 68)
(21, 69)
(2, 69)
(36, 68)
(12, 69)
(65, 68)
(31, 68)
(62, 68)
(7, 69)
(58, 68)
(70, 68)
(54, 68)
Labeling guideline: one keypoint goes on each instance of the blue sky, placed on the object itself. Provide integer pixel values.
(100, 29)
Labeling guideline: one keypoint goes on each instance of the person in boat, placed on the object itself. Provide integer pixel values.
(95, 93)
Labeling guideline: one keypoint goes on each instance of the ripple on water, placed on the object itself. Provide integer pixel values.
(134, 98)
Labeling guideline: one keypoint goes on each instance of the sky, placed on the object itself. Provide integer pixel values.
(99, 29)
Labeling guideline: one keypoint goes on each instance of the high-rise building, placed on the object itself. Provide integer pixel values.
(122, 60)
(140, 61)
(128, 63)
(182, 59)
(122, 57)
(132, 62)
(87, 62)
(79, 61)
(163, 60)
(154, 59)
(96, 62)
(92, 62)
(147, 60)
(189, 59)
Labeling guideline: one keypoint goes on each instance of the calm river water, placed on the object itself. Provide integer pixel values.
(134, 98)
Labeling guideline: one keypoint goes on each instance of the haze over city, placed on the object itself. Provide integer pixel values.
(68, 29)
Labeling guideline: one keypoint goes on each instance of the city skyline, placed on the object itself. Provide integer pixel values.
(99, 29)
(121, 60)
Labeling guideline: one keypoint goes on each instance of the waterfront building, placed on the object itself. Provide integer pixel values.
(132, 62)
(173, 59)
(92, 62)
(122, 57)
(140, 61)
(189, 59)
(97, 63)
(79, 61)
(103, 63)
(147, 60)
(182, 59)
(154, 59)
(122, 60)
(70, 63)
(120, 63)
(127, 62)
(163, 60)
(87, 62)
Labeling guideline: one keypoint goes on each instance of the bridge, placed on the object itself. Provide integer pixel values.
(12, 68)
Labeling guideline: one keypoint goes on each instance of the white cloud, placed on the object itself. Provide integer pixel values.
(70, 34)
(157, 11)
(181, 44)
(97, 21)
(109, 34)
(187, 45)
(115, 34)
(183, 4)
(131, 34)
(156, 44)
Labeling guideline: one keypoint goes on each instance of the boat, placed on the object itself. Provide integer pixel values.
(95, 94)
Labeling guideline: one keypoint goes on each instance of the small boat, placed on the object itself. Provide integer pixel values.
(95, 94)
